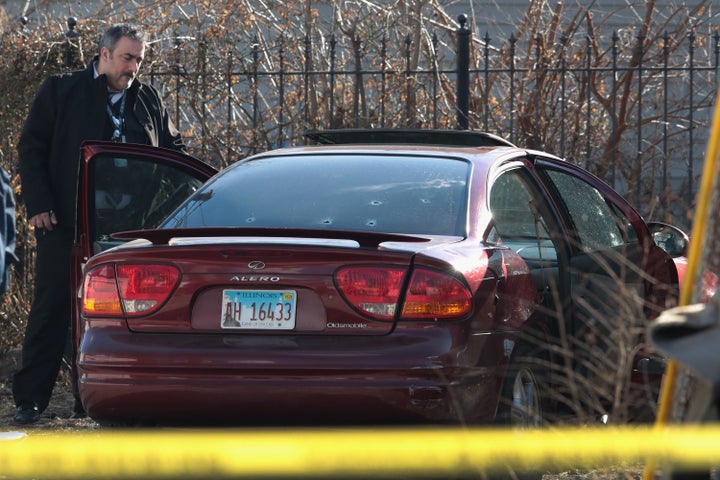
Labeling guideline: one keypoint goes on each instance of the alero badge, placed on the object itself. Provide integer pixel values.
(256, 265)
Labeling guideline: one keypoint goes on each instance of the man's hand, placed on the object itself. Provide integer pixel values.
(44, 220)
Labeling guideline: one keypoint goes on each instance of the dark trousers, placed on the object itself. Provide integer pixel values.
(46, 333)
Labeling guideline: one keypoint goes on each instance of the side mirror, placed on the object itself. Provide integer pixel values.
(670, 238)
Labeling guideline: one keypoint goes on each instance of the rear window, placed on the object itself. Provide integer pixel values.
(382, 193)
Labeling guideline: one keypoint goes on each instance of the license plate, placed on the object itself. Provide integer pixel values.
(258, 309)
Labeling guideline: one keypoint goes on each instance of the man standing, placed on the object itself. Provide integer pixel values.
(106, 101)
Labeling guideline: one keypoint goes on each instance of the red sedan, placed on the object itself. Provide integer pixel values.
(375, 276)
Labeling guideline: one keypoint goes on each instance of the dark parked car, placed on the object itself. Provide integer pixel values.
(374, 276)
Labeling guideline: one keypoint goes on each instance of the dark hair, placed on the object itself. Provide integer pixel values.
(116, 32)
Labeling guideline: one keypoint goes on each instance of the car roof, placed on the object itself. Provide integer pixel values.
(481, 148)
(406, 136)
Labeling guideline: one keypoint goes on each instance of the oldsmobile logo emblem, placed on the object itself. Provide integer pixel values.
(256, 265)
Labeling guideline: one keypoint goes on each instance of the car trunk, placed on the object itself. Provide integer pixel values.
(265, 286)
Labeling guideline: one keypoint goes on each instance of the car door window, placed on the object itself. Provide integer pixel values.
(608, 254)
(597, 225)
(522, 221)
(134, 194)
(518, 220)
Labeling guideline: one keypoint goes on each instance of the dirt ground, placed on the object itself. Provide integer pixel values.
(55, 417)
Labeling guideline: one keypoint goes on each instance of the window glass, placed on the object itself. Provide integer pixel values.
(367, 192)
(624, 224)
(134, 194)
(597, 224)
(518, 219)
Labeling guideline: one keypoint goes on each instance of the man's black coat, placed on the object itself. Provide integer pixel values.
(69, 109)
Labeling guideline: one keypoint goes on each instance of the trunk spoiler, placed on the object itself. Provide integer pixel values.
(364, 239)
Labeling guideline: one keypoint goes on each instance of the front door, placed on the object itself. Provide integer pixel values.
(618, 279)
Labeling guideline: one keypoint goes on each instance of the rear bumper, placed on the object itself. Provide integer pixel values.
(226, 380)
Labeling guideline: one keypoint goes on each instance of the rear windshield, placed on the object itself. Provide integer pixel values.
(381, 193)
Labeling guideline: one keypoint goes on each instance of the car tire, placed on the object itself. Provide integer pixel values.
(522, 399)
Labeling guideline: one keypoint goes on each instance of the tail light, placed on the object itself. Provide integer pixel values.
(375, 291)
(132, 290)
(372, 290)
(100, 294)
(436, 295)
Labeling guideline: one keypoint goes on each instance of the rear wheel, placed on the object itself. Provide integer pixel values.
(521, 402)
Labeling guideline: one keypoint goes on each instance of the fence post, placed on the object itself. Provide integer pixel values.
(691, 117)
(666, 56)
(513, 112)
(486, 71)
(408, 84)
(638, 161)
(357, 90)
(333, 44)
(383, 77)
(613, 117)
(563, 92)
(281, 90)
(435, 79)
(588, 98)
(463, 73)
(70, 47)
(229, 113)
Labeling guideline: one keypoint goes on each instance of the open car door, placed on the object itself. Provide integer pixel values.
(619, 280)
(124, 186)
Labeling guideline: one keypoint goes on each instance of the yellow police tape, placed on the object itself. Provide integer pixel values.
(346, 452)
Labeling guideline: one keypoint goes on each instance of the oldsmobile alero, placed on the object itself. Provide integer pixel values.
(373, 276)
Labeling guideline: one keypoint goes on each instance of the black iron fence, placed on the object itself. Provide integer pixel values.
(633, 107)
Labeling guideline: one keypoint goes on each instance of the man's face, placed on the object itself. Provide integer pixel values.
(122, 65)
